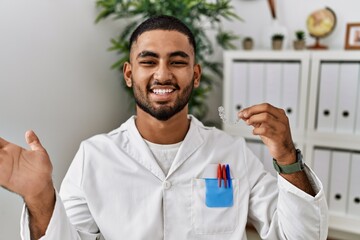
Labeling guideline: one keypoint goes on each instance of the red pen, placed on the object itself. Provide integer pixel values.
(224, 175)
(219, 174)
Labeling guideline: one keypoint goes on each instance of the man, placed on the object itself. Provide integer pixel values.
(156, 177)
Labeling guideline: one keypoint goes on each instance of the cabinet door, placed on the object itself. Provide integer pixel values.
(329, 73)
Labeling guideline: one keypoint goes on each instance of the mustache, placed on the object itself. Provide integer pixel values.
(165, 83)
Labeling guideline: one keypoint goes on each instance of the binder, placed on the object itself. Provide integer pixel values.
(239, 88)
(268, 161)
(291, 90)
(273, 86)
(327, 97)
(347, 96)
(256, 148)
(340, 170)
(354, 186)
(321, 166)
(256, 83)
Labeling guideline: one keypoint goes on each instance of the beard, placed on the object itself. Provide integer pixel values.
(165, 111)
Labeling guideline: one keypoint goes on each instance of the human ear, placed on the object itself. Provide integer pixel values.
(197, 75)
(127, 74)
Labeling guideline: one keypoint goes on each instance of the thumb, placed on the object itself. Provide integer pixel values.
(33, 141)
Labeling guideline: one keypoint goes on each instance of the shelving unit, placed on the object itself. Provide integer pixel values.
(340, 139)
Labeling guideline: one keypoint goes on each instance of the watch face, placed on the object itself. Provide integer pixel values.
(299, 158)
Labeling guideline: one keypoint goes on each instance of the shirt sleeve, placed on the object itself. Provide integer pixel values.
(280, 210)
(71, 218)
(59, 227)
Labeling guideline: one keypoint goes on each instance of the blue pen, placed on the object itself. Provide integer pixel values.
(228, 174)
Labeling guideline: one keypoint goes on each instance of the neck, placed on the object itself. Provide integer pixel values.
(170, 131)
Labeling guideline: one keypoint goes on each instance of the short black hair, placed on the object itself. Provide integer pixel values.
(163, 22)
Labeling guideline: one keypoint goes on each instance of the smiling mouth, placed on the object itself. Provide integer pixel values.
(162, 91)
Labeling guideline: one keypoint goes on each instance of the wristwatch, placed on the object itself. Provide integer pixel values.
(291, 168)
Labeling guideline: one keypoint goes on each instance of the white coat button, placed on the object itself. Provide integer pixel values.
(166, 185)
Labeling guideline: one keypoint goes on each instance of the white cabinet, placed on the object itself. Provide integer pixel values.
(320, 91)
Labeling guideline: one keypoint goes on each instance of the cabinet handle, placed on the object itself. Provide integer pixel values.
(238, 107)
(326, 112)
(345, 113)
(289, 110)
(357, 200)
(338, 196)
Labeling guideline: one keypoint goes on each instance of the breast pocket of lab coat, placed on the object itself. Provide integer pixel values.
(209, 219)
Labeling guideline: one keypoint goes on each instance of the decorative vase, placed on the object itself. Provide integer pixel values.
(299, 44)
(248, 44)
(277, 44)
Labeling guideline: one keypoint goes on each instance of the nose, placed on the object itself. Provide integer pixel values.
(163, 73)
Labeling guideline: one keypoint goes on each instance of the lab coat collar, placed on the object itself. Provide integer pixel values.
(138, 149)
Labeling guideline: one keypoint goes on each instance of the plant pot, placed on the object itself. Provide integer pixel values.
(277, 44)
(299, 44)
(248, 44)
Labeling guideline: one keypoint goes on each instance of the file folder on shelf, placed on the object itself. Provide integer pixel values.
(326, 110)
(347, 96)
(321, 166)
(256, 83)
(340, 170)
(273, 83)
(291, 86)
(239, 80)
(354, 186)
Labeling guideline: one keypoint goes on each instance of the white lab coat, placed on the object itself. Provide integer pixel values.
(114, 189)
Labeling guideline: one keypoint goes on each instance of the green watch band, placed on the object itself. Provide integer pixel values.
(291, 168)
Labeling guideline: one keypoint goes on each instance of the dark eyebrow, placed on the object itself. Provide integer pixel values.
(147, 54)
(144, 54)
(180, 54)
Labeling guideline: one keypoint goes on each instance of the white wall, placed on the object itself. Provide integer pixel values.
(55, 78)
(292, 14)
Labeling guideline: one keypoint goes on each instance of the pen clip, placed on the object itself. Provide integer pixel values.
(228, 174)
(224, 175)
(219, 175)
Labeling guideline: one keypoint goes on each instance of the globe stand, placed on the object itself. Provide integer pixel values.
(317, 45)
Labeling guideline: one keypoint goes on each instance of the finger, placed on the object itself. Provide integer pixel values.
(261, 118)
(259, 108)
(33, 141)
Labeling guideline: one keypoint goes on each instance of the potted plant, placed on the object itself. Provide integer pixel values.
(299, 42)
(201, 16)
(248, 43)
(277, 41)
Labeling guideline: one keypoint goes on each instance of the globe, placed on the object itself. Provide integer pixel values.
(320, 24)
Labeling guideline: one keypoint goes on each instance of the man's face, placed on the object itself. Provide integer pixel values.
(162, 72)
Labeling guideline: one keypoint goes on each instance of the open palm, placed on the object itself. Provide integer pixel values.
(25, 172)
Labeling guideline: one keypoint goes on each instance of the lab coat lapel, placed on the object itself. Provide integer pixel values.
(140, 151)
(191, 143)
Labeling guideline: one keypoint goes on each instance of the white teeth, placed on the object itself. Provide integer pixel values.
(162, 91)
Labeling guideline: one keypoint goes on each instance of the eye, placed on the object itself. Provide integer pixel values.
(178, 63)
(147, 63)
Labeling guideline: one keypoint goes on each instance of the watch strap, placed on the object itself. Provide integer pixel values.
(291, 168)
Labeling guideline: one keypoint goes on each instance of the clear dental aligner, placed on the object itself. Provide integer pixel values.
(221, 110)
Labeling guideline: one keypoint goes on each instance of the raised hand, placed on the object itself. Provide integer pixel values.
(272, 125)
(25, 172)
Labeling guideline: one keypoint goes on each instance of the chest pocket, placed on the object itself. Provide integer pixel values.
(213, 220)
